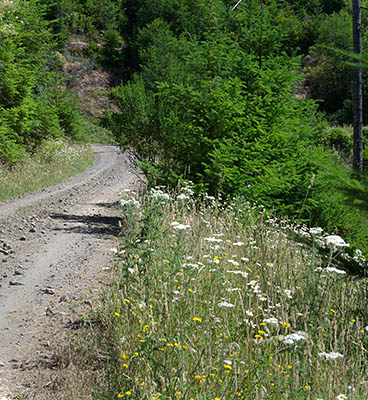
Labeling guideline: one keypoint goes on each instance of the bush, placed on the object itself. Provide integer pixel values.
(340, 201)
(32, 105)
(219, 119)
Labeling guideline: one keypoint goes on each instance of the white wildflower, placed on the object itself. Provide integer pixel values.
(225, 304)
(236, 289)
(235, 263)
(341, 396)
(315, 231)
(292, 338)
(288, 293)
(330, 356)
(238, 272)
(182, 196)
(250, 313)
(331, 269)
(238, 244)
(358, 256)
(130, 203)
(191, 265)
(271, 320)
(213, 240)
(180, 227)
(335, 241)
(158, 194)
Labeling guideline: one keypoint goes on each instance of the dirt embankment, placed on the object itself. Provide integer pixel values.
(54, 248)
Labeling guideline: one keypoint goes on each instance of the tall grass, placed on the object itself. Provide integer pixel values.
(216, 302)
(53, 162)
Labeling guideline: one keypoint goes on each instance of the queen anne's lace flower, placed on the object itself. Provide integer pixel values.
(225, 304)
(179, 227)
(315, 231)
(330, 356)
(293, 338)
(182, 196)
(272, 320)
(335, 241)
(331, 269)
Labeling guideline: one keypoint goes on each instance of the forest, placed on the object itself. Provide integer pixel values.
(252, 101)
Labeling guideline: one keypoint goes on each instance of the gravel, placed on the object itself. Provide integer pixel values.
(54, 248)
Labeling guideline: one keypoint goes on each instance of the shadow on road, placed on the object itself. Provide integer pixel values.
(89, 224)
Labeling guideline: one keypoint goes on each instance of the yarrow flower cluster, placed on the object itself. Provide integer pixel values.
(158, 194)
(130, 203)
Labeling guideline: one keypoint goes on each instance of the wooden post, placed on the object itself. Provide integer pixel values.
(358, 95)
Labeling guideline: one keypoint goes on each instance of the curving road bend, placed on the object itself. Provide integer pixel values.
(55, 246)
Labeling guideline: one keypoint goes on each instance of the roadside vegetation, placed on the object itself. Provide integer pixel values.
(219, 291)
(40, 121)
(53, 162)
(214, 300)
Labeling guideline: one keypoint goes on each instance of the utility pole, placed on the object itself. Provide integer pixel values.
(358, 92)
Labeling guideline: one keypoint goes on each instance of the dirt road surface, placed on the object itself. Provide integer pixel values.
(55, 247)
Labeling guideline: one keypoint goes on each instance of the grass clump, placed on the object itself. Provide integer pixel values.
(216, 302)
(53, 162)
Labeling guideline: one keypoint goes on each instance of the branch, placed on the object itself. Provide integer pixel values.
(236, 5)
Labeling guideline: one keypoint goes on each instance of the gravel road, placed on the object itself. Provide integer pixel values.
(55, 246)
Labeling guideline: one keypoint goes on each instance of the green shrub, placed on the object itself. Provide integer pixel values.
(219, 119)
(339, 200)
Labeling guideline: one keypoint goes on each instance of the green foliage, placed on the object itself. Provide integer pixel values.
(137, 120)
(340, 139)
(330, 74)
(340, 201)
(52, 162)
(32, 105)
(187, 314)
(218, 118)
(212, 102)
(314, 7)
(329, 77)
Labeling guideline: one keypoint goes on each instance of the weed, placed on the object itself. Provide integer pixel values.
(54, 161)
(213, 301)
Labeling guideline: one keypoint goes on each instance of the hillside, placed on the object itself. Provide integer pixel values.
(240, 269)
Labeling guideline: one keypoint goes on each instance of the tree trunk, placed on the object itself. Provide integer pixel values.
(358, 95)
